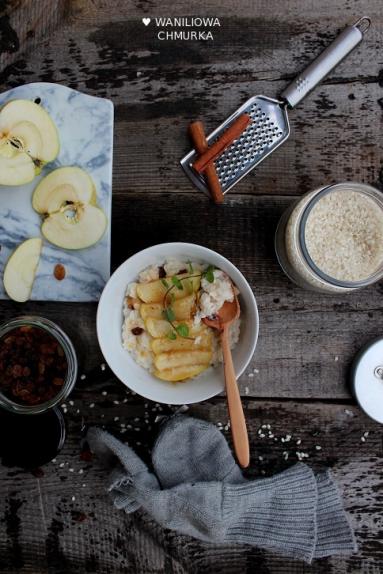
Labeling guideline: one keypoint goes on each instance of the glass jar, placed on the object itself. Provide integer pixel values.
(331, 239)
(71, 359)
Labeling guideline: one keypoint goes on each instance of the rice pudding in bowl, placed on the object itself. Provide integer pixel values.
(163, 324)
(134, 299)
(331, 240)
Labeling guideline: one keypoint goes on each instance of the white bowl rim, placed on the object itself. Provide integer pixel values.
(202, 249)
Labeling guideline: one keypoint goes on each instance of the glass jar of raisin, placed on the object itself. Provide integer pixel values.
(38, 365)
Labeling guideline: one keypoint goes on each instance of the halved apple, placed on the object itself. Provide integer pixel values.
(20, 270)
(75, 226)
(66, 198)
(62, 186)
(28, 140)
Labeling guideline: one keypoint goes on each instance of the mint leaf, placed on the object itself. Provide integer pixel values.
(169, 315)
(165, 283)
(209, 274)
(182, 330)
(177, 282)
(172, 335)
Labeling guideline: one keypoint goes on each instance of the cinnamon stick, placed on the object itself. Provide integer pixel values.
(222, 143)
(197, 134)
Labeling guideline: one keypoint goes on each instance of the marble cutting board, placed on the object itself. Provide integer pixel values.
(85, 126)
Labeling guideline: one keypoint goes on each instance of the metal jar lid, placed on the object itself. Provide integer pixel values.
(367, 379)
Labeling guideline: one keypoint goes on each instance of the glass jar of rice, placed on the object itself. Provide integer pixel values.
(331, 239)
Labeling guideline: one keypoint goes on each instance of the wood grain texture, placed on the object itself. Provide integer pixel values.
(46, 530)
(25, 23)
(159, 87)
(307, 341)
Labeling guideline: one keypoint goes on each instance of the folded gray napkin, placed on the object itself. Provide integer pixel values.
(196, 488)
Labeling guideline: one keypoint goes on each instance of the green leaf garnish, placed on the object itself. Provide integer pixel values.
(209, 274)
(191, 269)
(172, 335)
(165, 283)
(177, 282)
(168, 314)
(182, 330)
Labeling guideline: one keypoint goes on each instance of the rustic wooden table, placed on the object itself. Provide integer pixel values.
(61, 520)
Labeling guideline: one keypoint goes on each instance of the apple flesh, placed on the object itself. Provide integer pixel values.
(28, 140)
(61, 186)
(66, 198)
(20, 270)
(15, 168)
(75, 226)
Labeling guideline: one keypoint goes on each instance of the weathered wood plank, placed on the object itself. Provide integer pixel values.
(23, 24)
(159, 87)
(46, 529)
(333, 138)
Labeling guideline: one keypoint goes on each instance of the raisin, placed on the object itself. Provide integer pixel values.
(33, 365)
(25, 329)
(17, 371)
(58, 382)
(131, 302)
(161, 272)
(137, 331)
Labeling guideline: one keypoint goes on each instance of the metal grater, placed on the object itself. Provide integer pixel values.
(269, 126)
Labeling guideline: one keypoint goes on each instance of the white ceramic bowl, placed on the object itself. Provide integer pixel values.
(122, 363)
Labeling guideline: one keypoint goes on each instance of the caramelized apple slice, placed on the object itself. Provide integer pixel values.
(164, 345)
(179, 374)
(176, 359)
(154, 291)
(158, 328)
(182, 308)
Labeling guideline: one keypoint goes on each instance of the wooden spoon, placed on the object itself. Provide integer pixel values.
(227, 314)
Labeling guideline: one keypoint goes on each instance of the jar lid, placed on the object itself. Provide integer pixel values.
(29, 441)
(367, 379)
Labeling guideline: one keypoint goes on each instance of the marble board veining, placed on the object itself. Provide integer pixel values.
(85, 126)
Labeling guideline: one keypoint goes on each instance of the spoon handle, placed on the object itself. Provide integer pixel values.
(237, 418)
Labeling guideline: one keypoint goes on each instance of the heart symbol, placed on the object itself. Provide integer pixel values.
(146, 21)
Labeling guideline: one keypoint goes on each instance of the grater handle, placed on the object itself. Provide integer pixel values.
(325, 62)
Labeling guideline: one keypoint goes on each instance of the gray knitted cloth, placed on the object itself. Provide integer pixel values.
(197, 489)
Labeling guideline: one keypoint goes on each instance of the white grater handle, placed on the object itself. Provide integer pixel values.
(325, 62)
